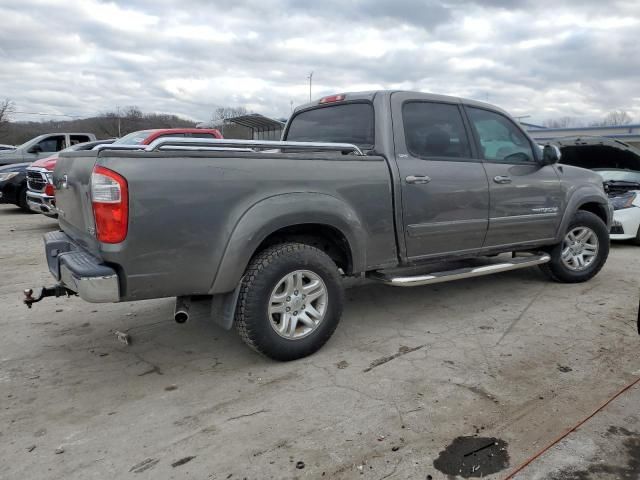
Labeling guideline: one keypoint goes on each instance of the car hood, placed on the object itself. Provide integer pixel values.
(598, 153)
(49, 162)
(14, 167)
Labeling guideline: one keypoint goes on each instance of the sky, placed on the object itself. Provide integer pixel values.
(543, 58)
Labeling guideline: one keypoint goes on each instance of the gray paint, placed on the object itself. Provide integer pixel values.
(196, 218)
(189, 212)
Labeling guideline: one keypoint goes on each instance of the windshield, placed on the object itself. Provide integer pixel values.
(346, 123)
(619, 175)
(134, 138)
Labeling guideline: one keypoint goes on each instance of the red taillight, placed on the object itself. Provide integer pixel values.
(333, 98)
(110, 199)
(49, 190)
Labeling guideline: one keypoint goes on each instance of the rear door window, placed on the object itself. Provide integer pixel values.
(435, 130)
(76, 139)
(344, 123)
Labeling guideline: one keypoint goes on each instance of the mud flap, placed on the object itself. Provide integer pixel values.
(223, 307)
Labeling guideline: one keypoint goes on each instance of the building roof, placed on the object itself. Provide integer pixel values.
(257, 122)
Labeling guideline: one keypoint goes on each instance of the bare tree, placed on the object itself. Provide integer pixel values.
(616, 118)
(221, 114)
(562, 122)
(6, 109)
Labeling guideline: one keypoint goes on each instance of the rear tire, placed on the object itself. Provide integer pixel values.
(283, 280)
(576, 259)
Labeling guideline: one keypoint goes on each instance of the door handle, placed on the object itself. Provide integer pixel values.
(501, 179)
(419, 179)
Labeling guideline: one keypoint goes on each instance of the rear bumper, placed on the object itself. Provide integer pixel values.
(42, 203)
(79, 271)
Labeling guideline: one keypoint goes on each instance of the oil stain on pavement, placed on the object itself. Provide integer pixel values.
(473, 457)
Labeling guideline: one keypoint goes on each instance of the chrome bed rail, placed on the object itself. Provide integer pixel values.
(199, 144)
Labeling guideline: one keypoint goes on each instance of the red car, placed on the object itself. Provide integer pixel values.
(40, 194)
(145, 137)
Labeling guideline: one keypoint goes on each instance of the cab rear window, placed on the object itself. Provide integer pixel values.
(345, 123)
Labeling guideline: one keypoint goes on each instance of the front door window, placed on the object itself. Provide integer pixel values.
(500, 139)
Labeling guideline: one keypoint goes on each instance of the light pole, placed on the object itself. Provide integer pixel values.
(310, 77)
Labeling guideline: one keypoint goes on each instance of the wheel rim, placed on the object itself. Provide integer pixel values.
(298, 304)
(579, 248)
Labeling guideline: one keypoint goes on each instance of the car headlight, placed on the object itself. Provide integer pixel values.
(7, 175)
(623, 201)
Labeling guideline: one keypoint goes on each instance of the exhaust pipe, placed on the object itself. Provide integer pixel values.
(181, 314)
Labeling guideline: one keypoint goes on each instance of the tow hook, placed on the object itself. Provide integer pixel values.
(57, 291)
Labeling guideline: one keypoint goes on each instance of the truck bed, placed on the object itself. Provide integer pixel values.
(186, 209)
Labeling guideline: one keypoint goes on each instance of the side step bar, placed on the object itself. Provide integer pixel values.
(458, 274)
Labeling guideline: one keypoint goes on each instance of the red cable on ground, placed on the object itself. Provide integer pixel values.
(571, 430)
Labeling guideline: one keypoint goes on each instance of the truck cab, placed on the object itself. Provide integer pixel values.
(43, 146)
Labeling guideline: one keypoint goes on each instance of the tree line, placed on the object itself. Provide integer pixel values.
(612, 119)
(110, 124)
(105, 125)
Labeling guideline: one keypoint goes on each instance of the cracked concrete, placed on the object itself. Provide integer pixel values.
(487, 365)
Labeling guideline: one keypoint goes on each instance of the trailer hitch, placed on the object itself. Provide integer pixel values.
(57, 291)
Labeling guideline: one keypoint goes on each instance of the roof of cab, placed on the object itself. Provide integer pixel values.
(370, 95)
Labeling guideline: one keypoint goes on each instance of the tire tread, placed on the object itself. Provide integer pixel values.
(252, 282)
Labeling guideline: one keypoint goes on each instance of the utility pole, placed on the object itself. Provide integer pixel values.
(118, 110)
(310, 77)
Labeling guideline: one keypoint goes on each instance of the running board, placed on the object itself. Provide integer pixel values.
(458, 274)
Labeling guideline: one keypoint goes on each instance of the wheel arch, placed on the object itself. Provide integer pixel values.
(589, 200)
(313, 218)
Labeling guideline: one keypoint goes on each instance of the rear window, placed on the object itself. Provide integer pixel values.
(346, 123)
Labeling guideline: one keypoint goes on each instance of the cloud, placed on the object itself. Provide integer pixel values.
(537, 58)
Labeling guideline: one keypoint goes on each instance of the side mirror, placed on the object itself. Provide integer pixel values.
(36, 149)
(550, 155)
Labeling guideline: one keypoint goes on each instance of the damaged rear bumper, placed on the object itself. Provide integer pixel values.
(79, 271)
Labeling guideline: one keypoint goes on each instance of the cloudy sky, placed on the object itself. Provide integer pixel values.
(544, 58)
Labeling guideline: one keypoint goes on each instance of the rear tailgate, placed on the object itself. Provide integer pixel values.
(72, 180)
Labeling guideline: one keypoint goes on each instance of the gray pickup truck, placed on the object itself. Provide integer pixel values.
(43, 146)
(404, 188)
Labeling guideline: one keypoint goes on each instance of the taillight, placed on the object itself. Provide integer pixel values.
(333, 98)
(110, 199)
(49, 190)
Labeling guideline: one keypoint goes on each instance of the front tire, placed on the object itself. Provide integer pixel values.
(22, 201)
(290, 301)
(582, 252)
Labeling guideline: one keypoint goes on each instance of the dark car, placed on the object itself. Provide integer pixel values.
(13, 185)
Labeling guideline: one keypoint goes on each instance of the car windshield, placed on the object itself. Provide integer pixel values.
(619, 175)
(134, 138)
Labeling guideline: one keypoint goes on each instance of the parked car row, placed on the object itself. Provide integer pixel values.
(40, 191)
(29, 185)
